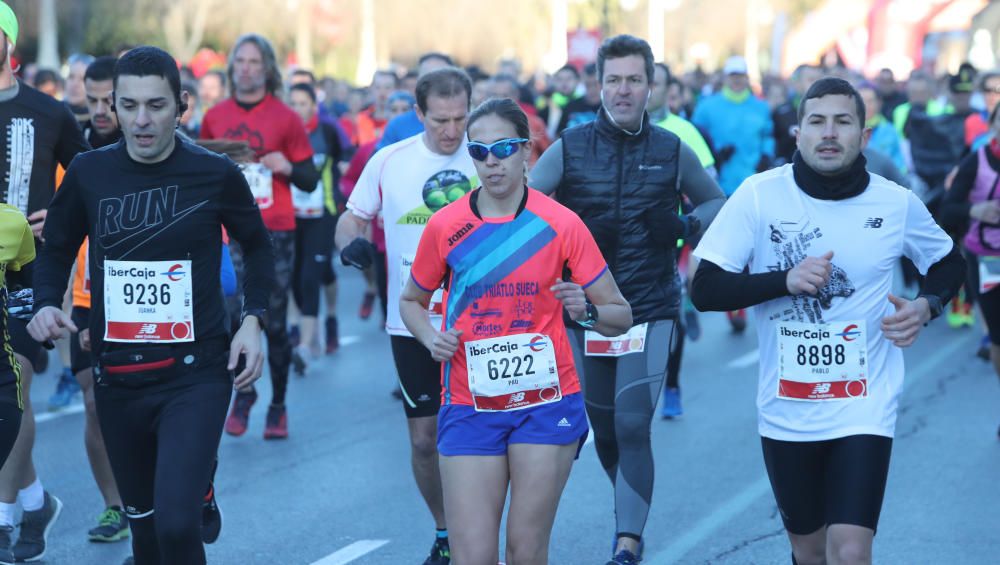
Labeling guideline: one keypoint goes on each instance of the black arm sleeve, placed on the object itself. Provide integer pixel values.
(65, 229)
(304, 175)
(715, 289)
(242, 220)
(955, 207)
(945, 277)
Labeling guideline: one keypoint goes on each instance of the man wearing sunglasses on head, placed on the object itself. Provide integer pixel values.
(406, 183)
(625, 178)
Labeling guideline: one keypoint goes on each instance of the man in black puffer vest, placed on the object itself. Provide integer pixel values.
(626, 178)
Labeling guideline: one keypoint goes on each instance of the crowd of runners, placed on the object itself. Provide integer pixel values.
(539, 249)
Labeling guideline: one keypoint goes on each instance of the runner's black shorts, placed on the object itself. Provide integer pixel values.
(21, 341)
(79, 360)
(419, 377)
(821, 483)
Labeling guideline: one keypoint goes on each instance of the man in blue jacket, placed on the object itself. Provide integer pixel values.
(740, 126)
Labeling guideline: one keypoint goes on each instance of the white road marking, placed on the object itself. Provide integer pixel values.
(354, 551)
(744, 361)
(350, 339)
(742, 500)
(69, 410)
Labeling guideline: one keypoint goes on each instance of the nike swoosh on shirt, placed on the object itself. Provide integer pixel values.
(159, 228)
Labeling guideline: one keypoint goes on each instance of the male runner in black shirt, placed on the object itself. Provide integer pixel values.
(153, 206)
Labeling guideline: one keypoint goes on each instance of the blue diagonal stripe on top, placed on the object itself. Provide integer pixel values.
(494, 259)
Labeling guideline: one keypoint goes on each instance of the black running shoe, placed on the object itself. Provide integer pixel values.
(440, 553)
(35, 528)
(112, 525)
(6, 538)
(211, 515)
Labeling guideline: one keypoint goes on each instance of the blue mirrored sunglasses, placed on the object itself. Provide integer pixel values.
(500, 149)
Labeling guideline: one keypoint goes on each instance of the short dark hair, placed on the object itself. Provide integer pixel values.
(505, 109)
(386, 73)
(150, 61)
(510, 80)
(305, 73)
(445, 83)
(622, 46)
(986, 77)
(590, 70)
(303, 87)
(666, 69)
(570, 68)
(435, 55)
(103, 68)
(44, 76)
(219, 74)
(829, 86)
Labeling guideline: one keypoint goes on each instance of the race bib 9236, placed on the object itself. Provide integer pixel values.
(148, 301)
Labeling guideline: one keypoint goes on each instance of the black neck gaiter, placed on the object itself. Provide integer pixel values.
(848, 184)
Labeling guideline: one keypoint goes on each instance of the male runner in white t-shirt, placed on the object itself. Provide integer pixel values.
(821, 238)
(407, 182)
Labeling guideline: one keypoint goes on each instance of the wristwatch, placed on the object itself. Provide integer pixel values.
(259, 313)
(591, 319)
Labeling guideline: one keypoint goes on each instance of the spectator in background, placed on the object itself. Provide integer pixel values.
(960, 88)
(660, 114)
(480, 88)
(921, 91)
(408, 124)
(977, 129)
(565, 84)
(349, 120)
(49, 82)
(371, 122)
(409, 82)
(76, 95)
(334, 95)
(802, 78)
(884, 137)
(190, 122)
(211, 89)
(506, 86)
(785, 120)
(888, 92)
(740, 126)
(584, 109)
(680, 100)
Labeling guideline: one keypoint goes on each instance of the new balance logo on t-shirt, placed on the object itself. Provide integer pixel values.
(564, 423)
(873, 223)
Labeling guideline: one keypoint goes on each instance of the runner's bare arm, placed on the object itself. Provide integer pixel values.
(614, 315)
(413, 309)
(350, 226)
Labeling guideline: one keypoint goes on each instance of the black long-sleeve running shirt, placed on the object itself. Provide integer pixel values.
(173, 210)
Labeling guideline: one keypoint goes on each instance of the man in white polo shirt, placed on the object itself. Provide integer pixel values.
(821, 238)
(406, 183)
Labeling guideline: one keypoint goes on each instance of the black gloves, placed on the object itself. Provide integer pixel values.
(359, 253)
(666, 227)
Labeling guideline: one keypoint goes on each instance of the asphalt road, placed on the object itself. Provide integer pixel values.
(339, 490)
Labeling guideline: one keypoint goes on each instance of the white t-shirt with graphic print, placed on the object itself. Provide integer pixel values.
(770, 224)
(407, 183)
